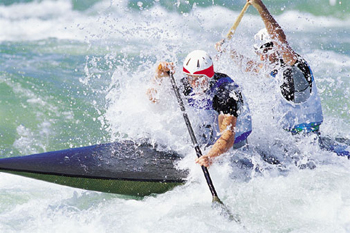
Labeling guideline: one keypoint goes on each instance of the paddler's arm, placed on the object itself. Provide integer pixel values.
(276, 32)
(243, 62)
(162, 70)
(227, 125)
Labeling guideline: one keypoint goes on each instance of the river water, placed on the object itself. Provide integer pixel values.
(74, 73)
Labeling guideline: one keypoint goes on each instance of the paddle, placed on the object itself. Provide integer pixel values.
(233, 28)
(217, 203)
(238, 20)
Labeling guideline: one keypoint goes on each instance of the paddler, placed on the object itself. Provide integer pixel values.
(216, 102)
(298, 106)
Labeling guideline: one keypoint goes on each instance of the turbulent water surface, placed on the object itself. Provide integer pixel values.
(74, 73)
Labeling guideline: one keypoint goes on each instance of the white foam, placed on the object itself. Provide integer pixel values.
(298, 200)
(112, 20)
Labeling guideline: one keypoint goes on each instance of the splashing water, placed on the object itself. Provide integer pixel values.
(76, 74)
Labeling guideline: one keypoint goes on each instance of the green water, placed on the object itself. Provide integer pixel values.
(340, 8)
(40, 93)
(335, 8)
(72, 71)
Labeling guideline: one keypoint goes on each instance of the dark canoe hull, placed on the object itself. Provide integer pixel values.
(126, 168)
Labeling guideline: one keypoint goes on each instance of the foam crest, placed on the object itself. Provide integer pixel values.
(114, 20)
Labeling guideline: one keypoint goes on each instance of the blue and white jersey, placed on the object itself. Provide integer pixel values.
(299, 106)
(223, 97)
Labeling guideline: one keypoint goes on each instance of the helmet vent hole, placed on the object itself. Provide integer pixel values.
(198, 64)
(188, 61)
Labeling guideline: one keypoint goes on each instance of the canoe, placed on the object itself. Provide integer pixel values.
(126, 167)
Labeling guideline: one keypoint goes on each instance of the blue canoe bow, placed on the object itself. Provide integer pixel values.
(126, 168)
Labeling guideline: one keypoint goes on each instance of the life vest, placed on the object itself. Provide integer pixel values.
(206, 124)
(298, 107)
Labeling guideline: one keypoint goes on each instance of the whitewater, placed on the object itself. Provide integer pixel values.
(75, 74)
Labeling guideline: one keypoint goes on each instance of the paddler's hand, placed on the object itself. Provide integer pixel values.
(204, 160)
(163, 69)
(223, 49)
(218, 46)
(256, 3)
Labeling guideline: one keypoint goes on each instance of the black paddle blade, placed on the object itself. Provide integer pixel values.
(218, 205)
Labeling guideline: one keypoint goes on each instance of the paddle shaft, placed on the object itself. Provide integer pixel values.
(193, 137)
(238, 20)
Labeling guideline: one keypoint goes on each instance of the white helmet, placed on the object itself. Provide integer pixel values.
(198, 62)
(262, 39)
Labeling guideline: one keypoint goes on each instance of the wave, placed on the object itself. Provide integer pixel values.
(155, 20)
(336, 8)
